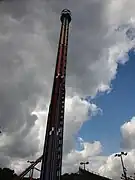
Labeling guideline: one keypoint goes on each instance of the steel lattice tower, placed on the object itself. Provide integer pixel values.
(53, 146)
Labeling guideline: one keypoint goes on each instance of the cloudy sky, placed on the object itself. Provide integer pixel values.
(100, 114)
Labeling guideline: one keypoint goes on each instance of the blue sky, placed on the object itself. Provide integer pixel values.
(118, 107)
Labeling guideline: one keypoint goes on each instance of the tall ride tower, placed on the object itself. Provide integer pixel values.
(52, 153)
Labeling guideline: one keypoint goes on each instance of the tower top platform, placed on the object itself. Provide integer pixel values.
(65, 14)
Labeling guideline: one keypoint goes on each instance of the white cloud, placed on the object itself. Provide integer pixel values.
(72, 160)
(77, 112)
(112, 167)
(128, 134)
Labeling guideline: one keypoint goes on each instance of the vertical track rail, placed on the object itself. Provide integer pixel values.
(62, 103)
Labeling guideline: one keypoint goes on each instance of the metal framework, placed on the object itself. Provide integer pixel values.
(53, 146)
(30, 168)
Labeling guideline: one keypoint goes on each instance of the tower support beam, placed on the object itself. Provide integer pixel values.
(53, 146)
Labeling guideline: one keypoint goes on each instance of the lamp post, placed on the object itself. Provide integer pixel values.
(124, 175)
(84, 163)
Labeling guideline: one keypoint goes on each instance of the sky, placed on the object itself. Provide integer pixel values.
(117, 107)
(99, 111)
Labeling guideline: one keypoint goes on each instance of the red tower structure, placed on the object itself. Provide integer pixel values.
(53, 146)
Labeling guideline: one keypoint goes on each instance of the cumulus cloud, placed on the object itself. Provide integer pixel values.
(75, 157)
(28, 44)
(76, 113)
(128, 134)
(112, 166)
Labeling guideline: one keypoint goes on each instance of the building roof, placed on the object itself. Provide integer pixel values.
(91, 175)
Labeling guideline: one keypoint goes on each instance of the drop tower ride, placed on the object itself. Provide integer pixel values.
(53, 146)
